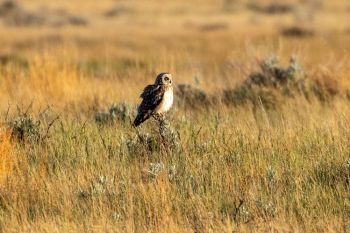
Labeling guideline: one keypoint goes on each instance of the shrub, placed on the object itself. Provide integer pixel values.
(166, 138)
(189, 96)
(13, 14)
(269, 85)
(26, 128)
(142, 143)
(272, 8)
(297, 31)
(169, 136)
(117, 112)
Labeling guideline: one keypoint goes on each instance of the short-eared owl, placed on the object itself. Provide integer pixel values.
(156, 98)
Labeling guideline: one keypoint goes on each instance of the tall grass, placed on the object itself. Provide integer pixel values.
(7, 155)
(239, 168)
(243, 167)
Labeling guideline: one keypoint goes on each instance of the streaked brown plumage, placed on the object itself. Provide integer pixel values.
(156, 98)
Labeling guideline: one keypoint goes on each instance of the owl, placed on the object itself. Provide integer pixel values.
(157, 98)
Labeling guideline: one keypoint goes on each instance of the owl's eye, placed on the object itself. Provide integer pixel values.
(166, 79)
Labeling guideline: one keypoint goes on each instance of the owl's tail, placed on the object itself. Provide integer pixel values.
(140, 118)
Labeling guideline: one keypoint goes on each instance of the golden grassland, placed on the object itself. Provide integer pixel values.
(246, 168)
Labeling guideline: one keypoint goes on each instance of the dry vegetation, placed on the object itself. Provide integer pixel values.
(260, 130)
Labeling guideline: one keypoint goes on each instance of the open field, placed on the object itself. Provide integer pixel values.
(259, 139)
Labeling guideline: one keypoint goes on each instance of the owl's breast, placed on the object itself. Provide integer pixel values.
(166, 102)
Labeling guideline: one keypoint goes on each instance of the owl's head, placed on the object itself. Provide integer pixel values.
(164, 79)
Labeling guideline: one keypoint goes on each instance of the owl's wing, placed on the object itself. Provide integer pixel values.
(151, 96)
(148, 91)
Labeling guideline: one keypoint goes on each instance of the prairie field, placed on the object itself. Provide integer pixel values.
(258, 138)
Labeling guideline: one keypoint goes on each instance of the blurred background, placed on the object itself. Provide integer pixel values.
(211, 44)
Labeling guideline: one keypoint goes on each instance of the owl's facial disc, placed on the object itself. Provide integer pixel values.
(166, 79)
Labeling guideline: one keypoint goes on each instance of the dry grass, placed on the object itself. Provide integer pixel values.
(246, 168)
(7, 156)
